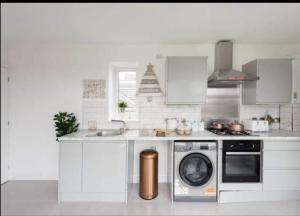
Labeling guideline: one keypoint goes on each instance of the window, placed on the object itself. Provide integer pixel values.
(124, 89)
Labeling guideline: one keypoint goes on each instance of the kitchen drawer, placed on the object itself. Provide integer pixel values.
(281, 159)
(281, 180)
(281, 145)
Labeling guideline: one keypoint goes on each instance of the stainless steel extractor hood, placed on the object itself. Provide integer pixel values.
(224, 75)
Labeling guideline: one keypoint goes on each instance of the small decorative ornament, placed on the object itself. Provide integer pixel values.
(149, 85)
(92, 125)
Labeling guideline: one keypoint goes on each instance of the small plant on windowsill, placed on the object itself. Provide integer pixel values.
(122, 106)
(65, 123)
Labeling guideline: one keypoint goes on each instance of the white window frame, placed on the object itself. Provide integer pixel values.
(115, 68)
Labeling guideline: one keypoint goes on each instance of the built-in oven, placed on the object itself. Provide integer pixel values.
(241, 161)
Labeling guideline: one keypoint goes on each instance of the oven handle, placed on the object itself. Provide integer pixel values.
(243, 153)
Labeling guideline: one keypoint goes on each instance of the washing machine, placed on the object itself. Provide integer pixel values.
(195, 171)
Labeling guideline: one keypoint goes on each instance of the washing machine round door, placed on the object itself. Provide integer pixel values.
(195, 169)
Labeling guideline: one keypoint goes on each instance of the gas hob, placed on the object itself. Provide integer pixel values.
(228, 132)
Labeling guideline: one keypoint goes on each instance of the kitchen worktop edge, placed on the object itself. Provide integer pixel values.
(85, 135)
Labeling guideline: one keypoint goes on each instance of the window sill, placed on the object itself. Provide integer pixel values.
(125, 119)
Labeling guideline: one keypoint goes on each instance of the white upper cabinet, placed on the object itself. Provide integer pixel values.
(274, 85)
(186, 79)
(296, 80)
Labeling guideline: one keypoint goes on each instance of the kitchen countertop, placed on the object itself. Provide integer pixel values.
(85, 135)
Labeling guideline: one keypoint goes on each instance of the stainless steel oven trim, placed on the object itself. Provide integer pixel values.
(242, 153)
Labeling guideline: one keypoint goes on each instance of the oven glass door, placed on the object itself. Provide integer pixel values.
(241, 167)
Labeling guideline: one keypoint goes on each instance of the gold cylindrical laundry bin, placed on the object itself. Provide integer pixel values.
(148, 174)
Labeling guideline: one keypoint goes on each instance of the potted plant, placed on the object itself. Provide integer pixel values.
(65, 123)
(122, 105)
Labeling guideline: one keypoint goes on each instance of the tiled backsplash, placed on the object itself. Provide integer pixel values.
(296, 117)
(95, 110)
(290, 117)
(289, 114)
(249, 111)
(286, 116)
(151, 114)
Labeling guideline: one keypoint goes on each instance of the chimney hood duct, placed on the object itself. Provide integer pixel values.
(224, 75)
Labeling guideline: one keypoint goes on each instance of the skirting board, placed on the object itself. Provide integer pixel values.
(92, 197)
(253, 196)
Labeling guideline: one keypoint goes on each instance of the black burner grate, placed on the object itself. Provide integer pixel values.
(227, 131)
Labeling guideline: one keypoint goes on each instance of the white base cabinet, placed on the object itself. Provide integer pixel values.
(104, 167)
(282, 159)
(281, 180)
(93, 171)
(70, 167)
(102, 171)
(281, 169)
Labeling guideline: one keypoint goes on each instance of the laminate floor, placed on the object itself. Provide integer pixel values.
(40, 198)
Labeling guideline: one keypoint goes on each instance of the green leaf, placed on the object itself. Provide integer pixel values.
(65, 123)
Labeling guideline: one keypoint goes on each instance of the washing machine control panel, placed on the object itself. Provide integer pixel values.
(189, 146)
(183, 146)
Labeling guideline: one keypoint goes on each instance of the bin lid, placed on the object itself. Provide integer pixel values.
(149, 153)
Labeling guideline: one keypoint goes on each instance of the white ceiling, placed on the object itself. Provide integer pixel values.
(151, 22)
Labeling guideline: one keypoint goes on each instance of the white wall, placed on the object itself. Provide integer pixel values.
(4, 53)
(47, 78)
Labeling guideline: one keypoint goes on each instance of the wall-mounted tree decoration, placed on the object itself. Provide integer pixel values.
(149, 85)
